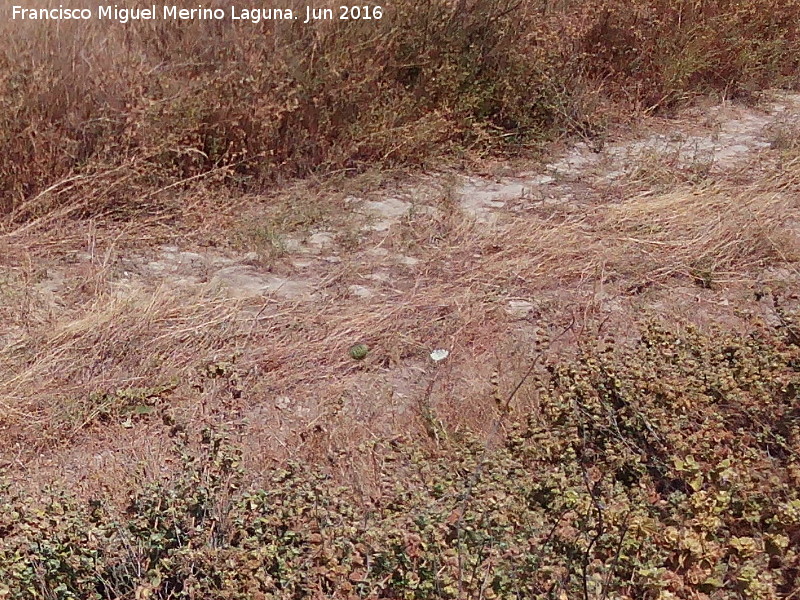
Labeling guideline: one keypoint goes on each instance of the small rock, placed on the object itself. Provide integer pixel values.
(361, 291)
(321, 239)
(520, 308)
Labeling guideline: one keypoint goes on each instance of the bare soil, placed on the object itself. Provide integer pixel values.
(241, 311)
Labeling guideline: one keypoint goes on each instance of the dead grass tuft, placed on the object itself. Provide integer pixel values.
(89, 130)
(58, 370)
(61, 364)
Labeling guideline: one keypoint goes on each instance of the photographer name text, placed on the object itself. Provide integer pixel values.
(175, 13)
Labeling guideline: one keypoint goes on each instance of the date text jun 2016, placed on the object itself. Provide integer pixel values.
(165, 12)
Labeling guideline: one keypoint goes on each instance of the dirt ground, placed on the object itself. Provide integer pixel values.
(118, 335)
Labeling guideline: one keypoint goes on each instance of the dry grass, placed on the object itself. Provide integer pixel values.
(174, 137)
(86, 130)
(112, 344)
(109, 154)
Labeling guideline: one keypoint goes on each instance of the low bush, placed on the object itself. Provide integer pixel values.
(668, 469)
(98, 116)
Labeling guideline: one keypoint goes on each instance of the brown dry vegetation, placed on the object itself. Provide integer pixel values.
(111, 339)
(100, 117)
(578, 450)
